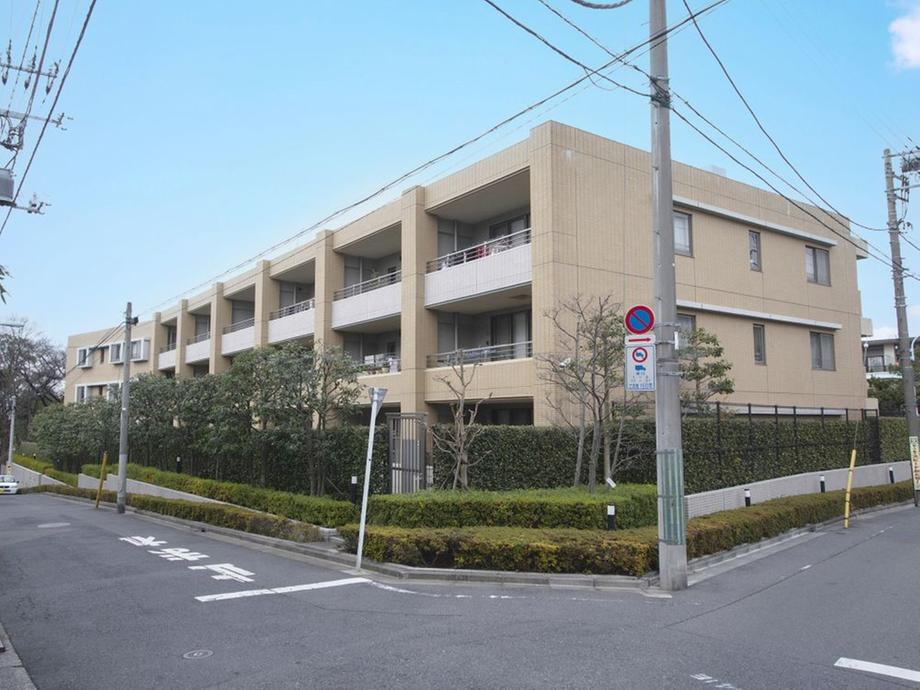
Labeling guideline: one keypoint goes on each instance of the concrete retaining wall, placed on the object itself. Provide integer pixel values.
(84, 481)
(29, 477)
(795, 485)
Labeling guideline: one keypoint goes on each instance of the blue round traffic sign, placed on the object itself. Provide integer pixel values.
(640, 319)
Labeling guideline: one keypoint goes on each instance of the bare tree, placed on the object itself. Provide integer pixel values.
(456, 438)
(588, 369)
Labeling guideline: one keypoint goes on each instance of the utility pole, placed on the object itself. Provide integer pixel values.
(672, 540)
(122, 495)
(905, 355)
(9, 457)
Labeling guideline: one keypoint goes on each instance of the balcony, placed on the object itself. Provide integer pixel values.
(377, 298)
(238, 336)
(479, 355)
(499, 264)
(294, 321)
(166, 358)
(382, 363)
(198, 349)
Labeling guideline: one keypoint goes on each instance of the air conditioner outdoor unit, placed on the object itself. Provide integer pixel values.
(7, 188)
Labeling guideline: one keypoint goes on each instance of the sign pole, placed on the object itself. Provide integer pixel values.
(377, 396)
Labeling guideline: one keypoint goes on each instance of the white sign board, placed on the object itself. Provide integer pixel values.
(915, 461)
(640, 367)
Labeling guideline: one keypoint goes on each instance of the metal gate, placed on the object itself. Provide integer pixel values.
(408, 450)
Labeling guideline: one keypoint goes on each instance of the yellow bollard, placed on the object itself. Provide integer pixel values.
(846, 507)
(105, 461)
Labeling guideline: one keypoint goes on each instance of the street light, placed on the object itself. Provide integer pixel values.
(9, 458)
(377, 396)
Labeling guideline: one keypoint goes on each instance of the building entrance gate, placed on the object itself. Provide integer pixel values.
(408, 452)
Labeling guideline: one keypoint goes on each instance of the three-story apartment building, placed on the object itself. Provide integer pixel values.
(476, 260)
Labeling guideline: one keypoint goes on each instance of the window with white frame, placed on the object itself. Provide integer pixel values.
(822, 351)
(81, 394)
(683, 234)
(817, 266)
(760, 344)
(115, 353)
(140, 349)
(754, 250)
(113, 391)
(85, 357)
(686, 324)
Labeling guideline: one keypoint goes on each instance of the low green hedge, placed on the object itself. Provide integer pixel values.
(210, 513)
(318, 511)
(623, 552)
(636, 506)
(45, 468)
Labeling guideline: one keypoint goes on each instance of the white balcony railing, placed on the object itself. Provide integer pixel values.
(200, 338)
(478, 355)
(368, 285)
(382, 363)
(240, 325)
(480, 251)
(168, 347)
(292, 309)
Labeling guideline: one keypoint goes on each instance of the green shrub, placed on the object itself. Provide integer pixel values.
(312, 509)
(636, 506)
(210, 513)
(625, 552)
(45, 468)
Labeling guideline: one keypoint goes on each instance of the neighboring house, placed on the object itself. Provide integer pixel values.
(881, 358)
(476, 260)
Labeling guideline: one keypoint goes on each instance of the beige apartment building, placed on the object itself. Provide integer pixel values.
(476, 260)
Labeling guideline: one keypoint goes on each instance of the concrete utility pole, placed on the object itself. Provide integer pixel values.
(672, 542)
(905, 355)
(122, 496)
(9, 458)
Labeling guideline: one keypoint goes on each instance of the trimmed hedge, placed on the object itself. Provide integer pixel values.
(210, 513)
(318, 511)
(636, 506)
(45, 468)
(624, 552)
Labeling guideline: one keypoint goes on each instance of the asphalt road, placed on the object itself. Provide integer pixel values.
(86, 608)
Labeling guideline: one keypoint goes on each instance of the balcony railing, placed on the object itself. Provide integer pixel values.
(240, 325)
(383, 363)
(200, 338)
(368, 285)
(292, 309)
(480, 251)
(493, 353)
(169, 347)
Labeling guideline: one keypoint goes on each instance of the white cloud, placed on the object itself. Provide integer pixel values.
(905, 39)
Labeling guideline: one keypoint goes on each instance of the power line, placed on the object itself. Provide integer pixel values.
(602, 5)
(760, 125)
(41, 63)
(25, 50)
(389, 185)
(57, 95)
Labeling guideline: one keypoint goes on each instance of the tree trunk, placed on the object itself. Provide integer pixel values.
(595, 452)
(580, 454)
(608, 470)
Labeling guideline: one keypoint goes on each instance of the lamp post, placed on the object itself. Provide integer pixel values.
(377, 396)
(9, 458)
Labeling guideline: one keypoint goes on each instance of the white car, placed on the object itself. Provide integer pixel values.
(8, 484)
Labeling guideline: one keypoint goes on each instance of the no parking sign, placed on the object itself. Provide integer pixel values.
(639, 349)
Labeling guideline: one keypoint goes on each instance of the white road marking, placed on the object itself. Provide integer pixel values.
(880, 669)
(143, 541)
(442, 595)
(225, 571)
(805, 567)
(713, 682)
(283, 590)
(179, 554)
(54, 524)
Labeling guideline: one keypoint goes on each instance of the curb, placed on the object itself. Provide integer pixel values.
(13, 674)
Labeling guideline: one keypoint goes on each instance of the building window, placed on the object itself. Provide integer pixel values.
(760, 344)
(754, 250)
(683, 234)
(822, 351)
(85, 357)
(686, 324)
(817, 266)
(115, 353)
(202, 324)
(509, 227)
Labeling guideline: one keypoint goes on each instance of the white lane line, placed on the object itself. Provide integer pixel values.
(881, 669)
(283, 590)
(54, 524)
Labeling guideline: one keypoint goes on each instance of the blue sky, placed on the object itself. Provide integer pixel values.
(205, 132)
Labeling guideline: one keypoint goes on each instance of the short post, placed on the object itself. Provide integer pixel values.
(823, 484)
(179, 464)
(891, 475)
(846, 505)
(353, 489)
(377, 396)
(747, 498)
(102, 470)
(611, 517)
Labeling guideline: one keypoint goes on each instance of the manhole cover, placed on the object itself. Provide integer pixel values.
(54, 524)
(198, 654)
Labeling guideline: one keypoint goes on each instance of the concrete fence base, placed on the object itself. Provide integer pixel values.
(27, 477)
(84, 481)
(709, 502)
